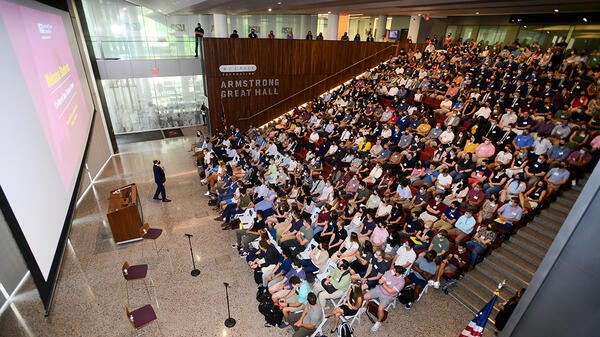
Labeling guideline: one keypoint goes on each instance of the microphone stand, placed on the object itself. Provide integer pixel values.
(195, 272)
(229, 322)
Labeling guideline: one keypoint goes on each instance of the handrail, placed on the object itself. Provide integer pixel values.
(317, 83)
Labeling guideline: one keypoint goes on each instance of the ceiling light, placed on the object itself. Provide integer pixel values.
(524, 26)
(270, 9)
(419, 14)
(585, 20)
(279, 2)
(329, 12)
(476, 13)
(556, 10)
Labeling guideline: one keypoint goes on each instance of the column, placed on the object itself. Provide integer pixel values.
(220, 22)
(332, 26)
(413, 28)
(379, 34)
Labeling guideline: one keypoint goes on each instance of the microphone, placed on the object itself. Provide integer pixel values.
(188, 235)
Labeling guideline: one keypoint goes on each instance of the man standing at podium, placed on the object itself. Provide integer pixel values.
(159, 179)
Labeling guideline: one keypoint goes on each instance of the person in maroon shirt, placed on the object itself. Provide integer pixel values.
(475, 197)
(457, 259)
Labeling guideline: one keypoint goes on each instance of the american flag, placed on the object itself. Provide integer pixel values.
(477, 325)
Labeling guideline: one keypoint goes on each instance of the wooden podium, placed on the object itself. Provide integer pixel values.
(125, 214)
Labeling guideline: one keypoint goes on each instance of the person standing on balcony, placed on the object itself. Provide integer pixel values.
(199, 33)
(252, 34)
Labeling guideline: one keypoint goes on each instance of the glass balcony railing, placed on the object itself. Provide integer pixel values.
(158, 48)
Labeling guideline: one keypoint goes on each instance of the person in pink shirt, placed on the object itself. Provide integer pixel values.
(485, 149)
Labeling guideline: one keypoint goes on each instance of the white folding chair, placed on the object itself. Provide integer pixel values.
(336, 302)
(330, 264)
(246, 218)
(309, 247)
(355, 317)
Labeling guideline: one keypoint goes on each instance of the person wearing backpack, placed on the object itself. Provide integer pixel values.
(390, 284)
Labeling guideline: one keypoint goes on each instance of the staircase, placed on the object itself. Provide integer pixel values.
(517, 259)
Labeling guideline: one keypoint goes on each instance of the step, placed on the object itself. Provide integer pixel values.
(472, 301)
(549, 220)
(511, 260)
(532, 246)
(561, 207)
(570, 194)
(542, 228)
(566, 201)
(556, 212)
(514, 272)
(513, 283)
(524, 254)
(533, 235)
(480, 281)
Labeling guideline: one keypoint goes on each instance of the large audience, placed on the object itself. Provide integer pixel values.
(408, 173)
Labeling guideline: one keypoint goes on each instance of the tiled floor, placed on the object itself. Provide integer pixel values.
(90, 298)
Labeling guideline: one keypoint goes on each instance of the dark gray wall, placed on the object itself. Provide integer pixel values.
(563, 297)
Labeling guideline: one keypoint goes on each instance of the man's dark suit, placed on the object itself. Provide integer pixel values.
(159, 179)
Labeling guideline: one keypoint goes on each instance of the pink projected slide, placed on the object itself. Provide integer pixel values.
(41, 45)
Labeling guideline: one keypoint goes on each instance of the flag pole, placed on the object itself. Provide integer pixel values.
(477, 324)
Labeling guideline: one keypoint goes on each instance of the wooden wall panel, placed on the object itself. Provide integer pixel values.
(304, 70)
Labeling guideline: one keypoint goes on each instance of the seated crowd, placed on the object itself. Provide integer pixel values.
(410, 172)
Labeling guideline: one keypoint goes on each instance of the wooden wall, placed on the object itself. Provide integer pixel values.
(303, 70)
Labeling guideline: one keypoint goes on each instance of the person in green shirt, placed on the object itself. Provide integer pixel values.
(335, 285)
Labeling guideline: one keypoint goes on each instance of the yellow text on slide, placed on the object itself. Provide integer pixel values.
(73, 116)
(53, 78)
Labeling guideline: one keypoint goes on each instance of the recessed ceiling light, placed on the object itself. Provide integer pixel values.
(556, 10)
(419, 14)
(329, 12)
(270, 9)
(476, 13)
(585, 20)
(279, 2)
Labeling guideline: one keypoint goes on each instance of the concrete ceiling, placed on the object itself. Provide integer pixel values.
(433, 8)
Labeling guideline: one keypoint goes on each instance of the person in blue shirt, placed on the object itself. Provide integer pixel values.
(296, 299)
(423, 270)
(463, 226)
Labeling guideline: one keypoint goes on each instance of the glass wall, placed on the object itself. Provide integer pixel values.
(140, 104)
(299, 25)
(577, 36)
(121, 30)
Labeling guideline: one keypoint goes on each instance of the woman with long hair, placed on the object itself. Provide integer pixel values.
(353, 302)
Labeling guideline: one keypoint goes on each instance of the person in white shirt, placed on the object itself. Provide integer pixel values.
(375, 174)
(508, 119)
(484, 111)
(541, 145)
(447, 136)
(405, 255)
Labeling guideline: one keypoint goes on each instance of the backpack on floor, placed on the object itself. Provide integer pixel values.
(273, 315)
(262, 294)
(372, 309)
(344, 330)
(258, 276)
(406, 295)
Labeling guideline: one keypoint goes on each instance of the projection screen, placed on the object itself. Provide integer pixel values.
(47, 116)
